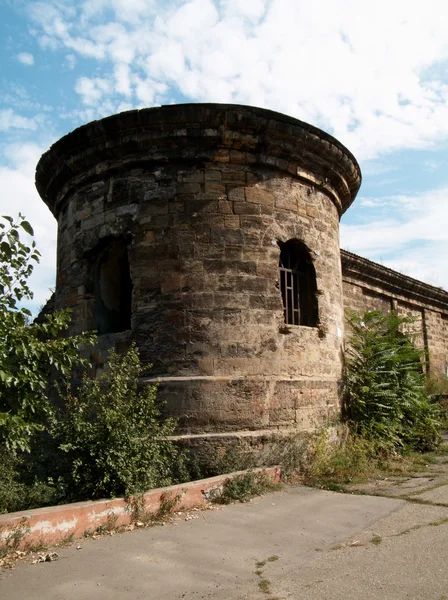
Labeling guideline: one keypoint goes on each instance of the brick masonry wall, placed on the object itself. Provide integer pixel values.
(368, 286)
(202, 210)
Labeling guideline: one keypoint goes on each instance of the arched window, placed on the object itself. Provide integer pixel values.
(298, 284)
(112, 288)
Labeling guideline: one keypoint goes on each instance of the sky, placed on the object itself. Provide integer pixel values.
(372, 73)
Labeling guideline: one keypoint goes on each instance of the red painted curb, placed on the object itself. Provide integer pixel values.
(56, 524)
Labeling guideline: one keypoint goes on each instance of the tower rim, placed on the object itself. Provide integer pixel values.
(190, 131)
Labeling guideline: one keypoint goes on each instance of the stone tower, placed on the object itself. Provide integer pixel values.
(209, 234)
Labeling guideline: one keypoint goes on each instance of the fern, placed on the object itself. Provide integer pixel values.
(385, 383)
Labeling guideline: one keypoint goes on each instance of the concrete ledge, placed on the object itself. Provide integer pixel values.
(56, 524)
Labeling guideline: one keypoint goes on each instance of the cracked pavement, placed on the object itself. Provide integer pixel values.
(387, 539)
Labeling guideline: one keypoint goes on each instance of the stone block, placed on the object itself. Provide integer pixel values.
(257, 195)
(232, 221)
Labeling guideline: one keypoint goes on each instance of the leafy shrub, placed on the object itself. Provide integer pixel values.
(11, 489)
(385, 384)
(28, 351)
(20, 489)
(112, 438)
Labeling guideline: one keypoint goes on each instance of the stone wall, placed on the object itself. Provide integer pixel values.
(185, 207)
(370, 286)
(171, 225)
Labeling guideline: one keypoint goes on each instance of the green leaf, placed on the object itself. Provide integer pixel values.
(6, 249)
(27, 227)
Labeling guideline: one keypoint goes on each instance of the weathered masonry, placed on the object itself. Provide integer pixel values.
(209, 234)
(369, 286)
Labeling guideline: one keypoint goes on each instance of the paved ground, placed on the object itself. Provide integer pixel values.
(322, 545)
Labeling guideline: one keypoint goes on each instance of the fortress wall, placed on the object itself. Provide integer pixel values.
(170, 228)
(369, 286)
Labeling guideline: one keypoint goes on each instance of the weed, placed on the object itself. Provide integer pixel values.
(260, 563)
(105, 528)
(111, 521)
(168, 503)
(329, 485)
(259, 572)
(273, 558)
(11, 540)
(243, 488)
(432, 457)
(292, 454)
(443, 521)
(136, 505)
(437, 523)
(376, 539)
(265, 586)
(37, 546)
(333, 463)
(350, 458)
(67, 540)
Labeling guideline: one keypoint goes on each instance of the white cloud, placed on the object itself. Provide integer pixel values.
(147, 91)
(375, 74)
(25, 58)
(250, 9)
(342, 66)
(122, 80)
(92, 90)
(414, 239)
(9, 119)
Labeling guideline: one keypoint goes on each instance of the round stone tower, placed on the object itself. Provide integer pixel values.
(209, 235)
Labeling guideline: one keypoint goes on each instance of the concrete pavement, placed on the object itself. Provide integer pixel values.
(299, 543)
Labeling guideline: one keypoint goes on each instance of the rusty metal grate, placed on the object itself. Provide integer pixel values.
(289, 285)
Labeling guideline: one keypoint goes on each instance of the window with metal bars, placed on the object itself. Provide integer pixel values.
(298, 284)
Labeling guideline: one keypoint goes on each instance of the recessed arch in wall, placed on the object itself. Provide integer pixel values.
(298, 284)
(111, 286)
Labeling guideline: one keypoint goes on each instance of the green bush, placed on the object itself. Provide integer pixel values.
(385, 384)
(11, 489)
(111, 436)
(21, 489)
(29, 352)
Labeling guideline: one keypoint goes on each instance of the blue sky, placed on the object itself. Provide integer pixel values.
(374, 74)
